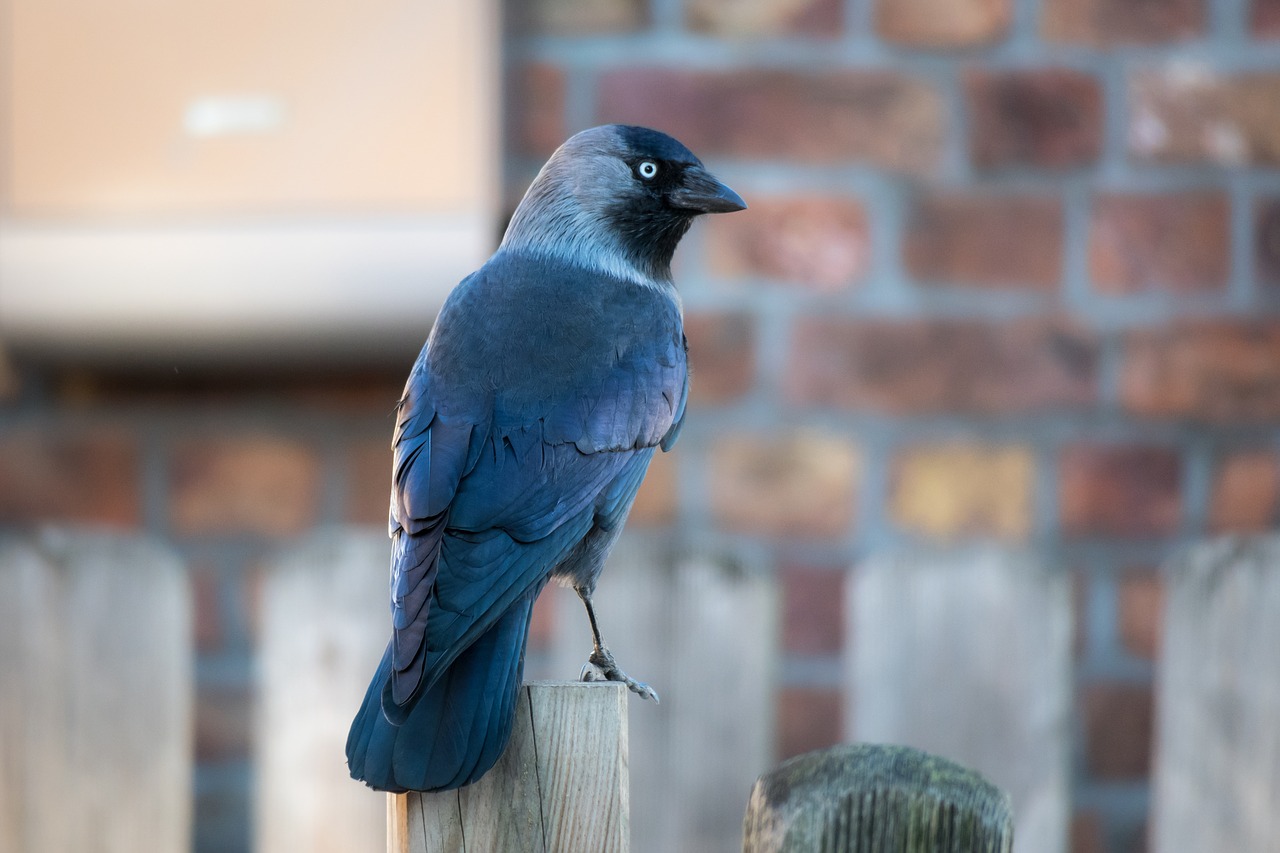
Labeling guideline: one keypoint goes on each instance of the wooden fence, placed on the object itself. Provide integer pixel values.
(325, 622)
(1217, 781)
(966, 655)
(95, 701)
(701, 628)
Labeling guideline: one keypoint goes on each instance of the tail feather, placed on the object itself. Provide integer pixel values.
(369, 723)
(458, 728)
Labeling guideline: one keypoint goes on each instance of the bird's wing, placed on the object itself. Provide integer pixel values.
(485, 506)
(430, 452)
(673, 433)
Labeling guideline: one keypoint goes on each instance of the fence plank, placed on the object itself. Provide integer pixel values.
(561, 784)
(324, 626)
(95, 715)
(1217, 778)
(674, 622)
(967, 656)
(702, 631)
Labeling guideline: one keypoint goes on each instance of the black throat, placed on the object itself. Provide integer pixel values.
(649, 237)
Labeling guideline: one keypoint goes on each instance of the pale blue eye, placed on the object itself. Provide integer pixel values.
(647, 169)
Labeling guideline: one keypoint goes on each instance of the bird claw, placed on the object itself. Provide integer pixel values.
(602, 667)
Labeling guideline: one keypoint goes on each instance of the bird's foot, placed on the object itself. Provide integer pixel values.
(602, 667)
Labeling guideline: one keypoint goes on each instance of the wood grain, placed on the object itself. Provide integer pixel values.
(324, 626)
(968, 655)
(96, 714)
(701, 627)
(876, 798)
(1217, 767)
(560, 785)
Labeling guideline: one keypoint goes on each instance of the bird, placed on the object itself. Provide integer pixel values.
(551, 376)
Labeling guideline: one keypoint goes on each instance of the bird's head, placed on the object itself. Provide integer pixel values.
(617, 198)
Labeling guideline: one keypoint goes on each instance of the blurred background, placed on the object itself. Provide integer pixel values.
(1010, 278)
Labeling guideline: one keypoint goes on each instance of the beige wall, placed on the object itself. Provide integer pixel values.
(344, 106)
(206, 173)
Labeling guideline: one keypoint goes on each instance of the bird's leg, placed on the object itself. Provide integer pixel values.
(601, 666)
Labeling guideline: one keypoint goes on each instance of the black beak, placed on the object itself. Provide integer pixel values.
(700, 192)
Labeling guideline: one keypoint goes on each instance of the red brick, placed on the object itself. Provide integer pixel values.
(1130, 836)
(578, 17)
(536, 109)
(1110, 22)
(658, 498)
(734, 18)
(1125, 490)
(542, 624)
(882, 118)
(812, 610)
(986, 241)
(74, 476)
(251, 587)
(1246, 493)
(254, 484)
(963, 489)
(1190, 114)
(809, 718)
(820, 242)
(1048, 118)
(206, 601)
(1175, 242)
(223, 723)
(367, 467)
(1207, 371)
(1117, 728)
(943, 23)
(801, 484)
(1266, 242)
(929, 366)
(1264, 18)
(1080, 608)
(355, 391)
(1141, 607)
(721, 357)
(1087, 835)
(370, 392)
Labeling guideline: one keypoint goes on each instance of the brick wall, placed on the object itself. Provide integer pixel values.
(1011, 271)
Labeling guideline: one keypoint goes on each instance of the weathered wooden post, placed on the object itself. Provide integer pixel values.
(1217, 767)
(876, 798)
(561, 785)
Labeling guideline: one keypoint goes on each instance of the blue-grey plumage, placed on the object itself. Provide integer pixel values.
(550, 378)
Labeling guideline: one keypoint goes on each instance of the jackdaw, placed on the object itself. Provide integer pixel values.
(551, 376)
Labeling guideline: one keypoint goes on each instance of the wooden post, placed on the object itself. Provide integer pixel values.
(561, 785)
(875, 798)
(95, 709)
(968, 655)
(1217, 764)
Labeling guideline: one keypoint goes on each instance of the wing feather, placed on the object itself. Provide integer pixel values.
(500, 474)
